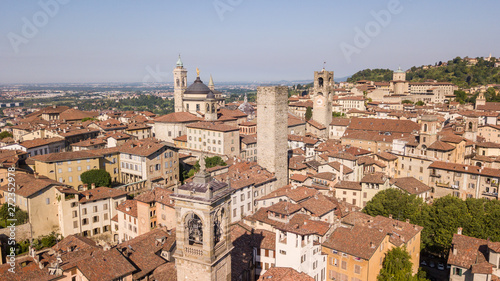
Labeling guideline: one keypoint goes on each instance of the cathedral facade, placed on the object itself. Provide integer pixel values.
(197, 98)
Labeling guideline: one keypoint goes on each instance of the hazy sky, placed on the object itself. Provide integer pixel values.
(234, 40)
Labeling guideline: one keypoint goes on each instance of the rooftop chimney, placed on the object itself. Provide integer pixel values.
(459, 231)
(390, 216)
(92, 185)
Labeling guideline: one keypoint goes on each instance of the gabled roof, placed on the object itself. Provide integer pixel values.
(27, 185)
(178, 117)
(410, 185)
(358, 241)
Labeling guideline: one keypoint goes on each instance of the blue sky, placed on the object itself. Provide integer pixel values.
(245, 40)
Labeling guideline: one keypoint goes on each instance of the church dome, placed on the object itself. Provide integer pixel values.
(197, 88)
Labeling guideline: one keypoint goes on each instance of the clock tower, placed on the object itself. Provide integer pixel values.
(202, 233)
(322, 97)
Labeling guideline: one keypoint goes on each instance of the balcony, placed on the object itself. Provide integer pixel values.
(193, 251)
(442, 184)
(490, 194)
(435, 175)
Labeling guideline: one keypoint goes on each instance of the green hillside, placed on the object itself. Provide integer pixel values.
(456, 71)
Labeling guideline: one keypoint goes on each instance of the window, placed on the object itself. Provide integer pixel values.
(74, 214)
(59, 171)
(282, 252)
(344, 265)
(458, 271)
(242, 197)
(47, 201)
(85, 221)
(70, 169)
(106, 216)
(357, 269)
(70, 179)
(234, 213)
(95, 209)
(95, 219)
(75, 224)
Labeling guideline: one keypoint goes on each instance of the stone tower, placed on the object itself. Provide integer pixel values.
(202, 233)
(480, 100)
(322, 97)
(180, 85)
(429, 125)
(399, 84)
(272, 131)
(399, 75)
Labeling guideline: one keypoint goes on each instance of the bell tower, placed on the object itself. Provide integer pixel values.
(322, 97)
(180, 85)
(202, 233)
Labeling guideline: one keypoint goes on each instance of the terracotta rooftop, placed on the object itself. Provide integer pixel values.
(410, 185)
(27, 185)
(353, 185)
(461, 168)
(284, 274)
(469, 251)
(65, 156)
(358, 241)
(100, 193)
(39, 142)
(143, 251)
(128, 207)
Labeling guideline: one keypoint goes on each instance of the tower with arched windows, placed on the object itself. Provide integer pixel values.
(322, 97)
(180, 85)
(202, 233)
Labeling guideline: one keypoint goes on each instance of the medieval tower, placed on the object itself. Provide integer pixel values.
(272, 131)
(322, 97)
(180, 85)
(202, 233)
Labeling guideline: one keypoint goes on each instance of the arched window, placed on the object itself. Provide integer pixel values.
(194, 227)
(470, 125)
(177, 82)
(425, 127)
(320, 82)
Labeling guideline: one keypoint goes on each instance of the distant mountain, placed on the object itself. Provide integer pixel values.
(463, 72)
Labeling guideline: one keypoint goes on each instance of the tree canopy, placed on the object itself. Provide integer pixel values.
(19, 215)
(397, 266)
(5, 134)
(309, 113)
(479, 218)
(456, 71)
(210, 162)
(97, 177)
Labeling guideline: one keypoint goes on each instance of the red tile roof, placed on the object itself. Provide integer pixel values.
(284, 274)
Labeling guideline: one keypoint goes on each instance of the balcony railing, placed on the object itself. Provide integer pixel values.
(193, 251)
(442, 184)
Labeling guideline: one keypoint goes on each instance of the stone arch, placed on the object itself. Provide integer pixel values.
(208, 108)
(213, 108)
(193, 225)
(320, 82)
(177, 82)
(479, 164)
(425, 127)
(470, 125)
